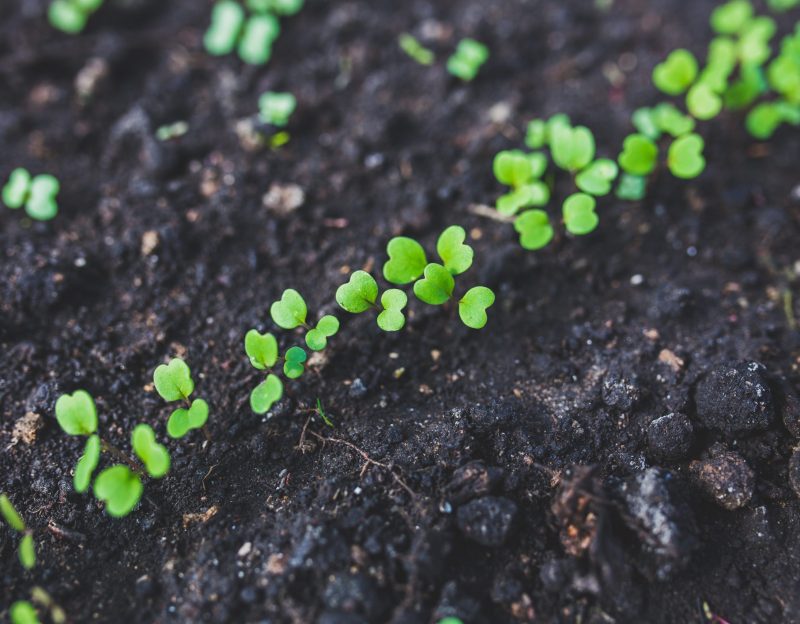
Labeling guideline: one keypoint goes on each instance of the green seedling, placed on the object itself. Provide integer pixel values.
(76, 413)
(409, 44)
(278, 7)
(36, 194)
(754, 41)
(732, 17)
(23, 612)
(317, 338)
(70, 16)
(293, 362)
(598, 178)
(436, 287)
(321, 412)
(87, 464)
(276, 108)
(535, 231)
(26, 552)
(703, 102)
(579, 214)
(153, 455)
(119, 488)
(227, 20)
(391, 318)
(252, 36)
(358, 294)
(456, 256)
(631, 187)
(765, 118)
(535, 194)
(406, 260)
(671, 121)
(677, 73)
(262, 349)
(685, 158)
(521, 172)
(266, 394)
(572, 148)
(746, 89)
(291, 311)
(173, 382)
(170, 132)
(473, 305)
(639, 155)
(466, 61)
(539, 132)
(260, 32)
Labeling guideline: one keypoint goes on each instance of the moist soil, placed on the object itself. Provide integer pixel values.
(613, 447)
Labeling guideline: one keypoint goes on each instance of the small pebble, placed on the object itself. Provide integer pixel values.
(725, 478)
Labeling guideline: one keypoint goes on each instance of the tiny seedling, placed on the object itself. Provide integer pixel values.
(539, 132)
(170, 132)
(317, 338)
(23, 612)
(436, 286)
(278, 7)
(534, 228)
(276, 108)
(466, 61)
(473, 305)
(36, 194)
(120, 488)
(391, 318)
(231, 29)
(572, 148)
(173, 381)
(579, 214)
(639, 155)
(521, 172)
(685, 158)
(70, 16)
(321, 412)
(677, 73)
(598, 178)
(413, 48)
(294, 362)
(26, 552)
(153, 455)
(631, 187)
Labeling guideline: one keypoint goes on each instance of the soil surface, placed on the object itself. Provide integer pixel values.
(614, 447)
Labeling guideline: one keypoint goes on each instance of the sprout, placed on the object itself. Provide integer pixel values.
(409, 44)
(76, 413)
(37, 195)
(266, 394)
(406, 260)
(11, 515)
(534, 229)
(685, 159)
(746, 89)
(290, 311)
(358, 294)
(317, 338)
(579, 215)
(467, 59)
(521, 172)
(70, 16)
(436, 287)
(671, 121)
(227, 19)
(120, 488)
(765, 118)
(279, 7)
(87, 464)
(539, 132)
(154, 456)
(702, 102)
(27, 550)
(598, 177)
(754, 48)
(183, 420)
(252, 36)
(732, 17)
(676, 74)
(173, 381)
(572, 148)
(631, 187)
(276, 108)
(23, 612)
(172, 131)
(293, 362)
(391, 318)
(457, 256)
(255, 46)
(262, 349)
(639, 155)
(473, 305)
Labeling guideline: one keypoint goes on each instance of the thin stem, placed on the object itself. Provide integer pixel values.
(120, 456)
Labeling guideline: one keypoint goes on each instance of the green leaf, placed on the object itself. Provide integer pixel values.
(598, 177)
(317, 338)
(183, 420)
(534, 229)
(455, 255)
(16, 190)
(391, 318)
(672, 121)
(227, 19)
(731, 17)
(406, 260)
(27, 552)
(76, 413)
(631, 187)
(120, 488)
(536, 134)
(579, 215)
(639, 155)
(276, 108)
(644, 120)
(286, 7)
(534, 194)
(702, 102)
(744, 91)
(266, 394)
(63, 15)
(293, 362)
(358, 294)
(411, 46)
(436, 287)
(41, 204)
(556, 121)
(23, 612)
(262, 349)
(754, 48)
(154, 456)
(763, 120)
(513, 168)
(10, 514)
(173, 380)
(87, 464)
(685, 157)
(255, 46)
(572, 148)
(290, 311)
(473, 305)
(676, 73)
(467, 59)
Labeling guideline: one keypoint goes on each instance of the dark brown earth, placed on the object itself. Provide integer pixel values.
(542, 492)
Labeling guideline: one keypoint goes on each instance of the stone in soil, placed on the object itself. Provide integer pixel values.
(488, 520)
(473, 480)
(794, 471)
(670, 437)
(735, 398)
(725, 478)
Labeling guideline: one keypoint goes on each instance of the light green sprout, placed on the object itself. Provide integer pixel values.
(436, 287)
(262, 349)
(26, 552)
(456, 256)
(252, 37)
(317, 338)
(391, 318)
(598, 177)
(358, 294)
(413, 48)
(293, 362)
(521, 172)
(466, 61)
(173, 382)
(36, 194)
(70, 16)
(279, 7)
(732, 17)
(154, 456)
(677, 73)
(703, 102)
(260, 32)
(276, 108)
(227, 20)
(535, 231)
(87, 464)
(23, 612)
(119, 488)
(572, 149)
(406, 261)
(473, 305)
(639, 155)
(631, 187)
(685, 158)
(291, 311)
(266, 394)
(579, 214)
(539, 132)
(76, 413)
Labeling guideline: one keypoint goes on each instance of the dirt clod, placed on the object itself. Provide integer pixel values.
(487, 520)
(725, 478)
(735, 398)
(670, 437)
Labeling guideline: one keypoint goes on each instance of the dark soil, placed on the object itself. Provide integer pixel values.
(543, 489)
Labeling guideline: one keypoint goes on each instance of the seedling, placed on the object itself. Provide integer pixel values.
(685, 159)
(173, 381)
(278, 7)
(598, 177)
(321, 412)
(540, 132)
(23, 612)
(409, 44)
(436, 286)
(572, 148)
(36, 194)
(473, 305)
(172, 131)
(391, 318)
(639, 155)
(70, 16)
(317, 338)
(26, 551)
(521, 172)
(579, 214)
(631, 187)
(466, 61)
(276, 108)
(119, 488)
(677, 73)
(153, 455)
(535, 231)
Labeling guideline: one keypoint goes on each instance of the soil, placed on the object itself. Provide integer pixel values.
(613, 447)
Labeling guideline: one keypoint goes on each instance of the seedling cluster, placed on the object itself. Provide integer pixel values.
(276, 108)
(251, 32)
(36, 194)
(464, 63)
(26, 551)
(70, 16)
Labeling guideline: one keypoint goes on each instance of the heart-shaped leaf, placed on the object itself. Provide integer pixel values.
(598, 177)
(358, 294)
(276, 108)
(10, 514)
(227, 19)
(731, 18)
(290, 311)
(436, 287)
(534, 229)
(473, 305)
(702, 102)
(671, 120)
(255, 46)
(536, 134)
(754, 41)
(676, 73)
(87, 464)
(631, 187)
(639, 155)
(293, 362)
(27, 552)
(392, 318)
(515, 168)
(183, 420)
(266, 394)
(579, 215)
(15, 192)
(41, 204)
(173, 380)
(456, 256)
(685, 157)
(536, 193)
(120, 488)
(154, 456)
(76, 413)
(406, 260)
(262, 349)
(67, 17)
(317, 338)
(644, 120)
(572, 148)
